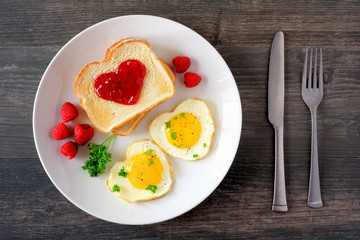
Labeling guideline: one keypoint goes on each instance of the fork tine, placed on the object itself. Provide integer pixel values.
(314, 80)
(304, 71)
(309, 82)
(321, 71)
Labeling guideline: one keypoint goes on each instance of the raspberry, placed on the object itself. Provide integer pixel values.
(69, 149)
(68, 112)
(61, 131)
(191, 79)
(181, 64)
(83, 133)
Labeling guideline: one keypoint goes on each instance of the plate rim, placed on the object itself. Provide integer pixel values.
(119, 18)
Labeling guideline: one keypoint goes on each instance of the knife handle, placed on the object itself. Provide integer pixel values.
(279, 200)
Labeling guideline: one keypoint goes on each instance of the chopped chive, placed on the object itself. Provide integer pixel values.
(183, 115)
(148, 152)
(181, 145)
(151, 162)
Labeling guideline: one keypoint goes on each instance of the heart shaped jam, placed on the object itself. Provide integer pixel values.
(124, 85)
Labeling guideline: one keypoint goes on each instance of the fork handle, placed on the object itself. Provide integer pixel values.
(314, 196)
(279, 200)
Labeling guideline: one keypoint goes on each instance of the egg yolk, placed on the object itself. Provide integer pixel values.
(144, 170)
(183, 130)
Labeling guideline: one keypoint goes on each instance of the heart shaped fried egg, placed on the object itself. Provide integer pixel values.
(144, 175)
(185, 133)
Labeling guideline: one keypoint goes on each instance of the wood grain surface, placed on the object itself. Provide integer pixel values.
(32, 32)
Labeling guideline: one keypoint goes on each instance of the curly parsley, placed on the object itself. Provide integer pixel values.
(173, 135)
(115, 188)
(99, 157)
(152, 188)
(122, 173)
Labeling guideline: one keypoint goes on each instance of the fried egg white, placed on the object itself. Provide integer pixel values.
(185, 133)
(144, 175)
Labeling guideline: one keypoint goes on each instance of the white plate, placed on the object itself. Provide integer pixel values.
(193, 181)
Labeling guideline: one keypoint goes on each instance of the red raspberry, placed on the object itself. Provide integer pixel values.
(181, 64)
(69, 149)
(83, 133)
(61, 131)
(68, 112)
(191, 79)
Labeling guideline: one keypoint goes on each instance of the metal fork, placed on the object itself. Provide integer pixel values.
(312, 94)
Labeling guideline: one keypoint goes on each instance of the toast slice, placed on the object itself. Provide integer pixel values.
(130, 126)
(108, 116)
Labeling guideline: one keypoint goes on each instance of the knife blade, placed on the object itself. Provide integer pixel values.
(276, 118)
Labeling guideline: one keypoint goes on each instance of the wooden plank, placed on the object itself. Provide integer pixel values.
(21, 69)
(56, 23)
(227, 22)
(324, 23)
(240, 207)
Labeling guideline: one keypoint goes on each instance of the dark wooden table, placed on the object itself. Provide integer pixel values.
(31, 33)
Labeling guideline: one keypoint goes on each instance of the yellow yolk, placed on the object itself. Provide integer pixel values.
(183, 130)
(144, 170)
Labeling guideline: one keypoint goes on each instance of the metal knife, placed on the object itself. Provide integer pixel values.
(276, 118)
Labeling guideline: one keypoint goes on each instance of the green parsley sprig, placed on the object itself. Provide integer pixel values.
(123, 173)
(152, 188)
(99, 157)
(116, 188)
(173, 135)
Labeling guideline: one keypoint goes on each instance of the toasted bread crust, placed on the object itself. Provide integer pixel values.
(130, 126)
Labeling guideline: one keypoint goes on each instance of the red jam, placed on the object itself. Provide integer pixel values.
(124, 85)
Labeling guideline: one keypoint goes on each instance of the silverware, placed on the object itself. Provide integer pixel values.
(312, 94)
(276, 118)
